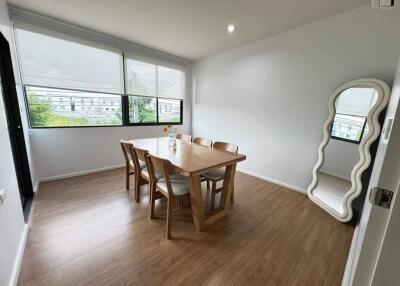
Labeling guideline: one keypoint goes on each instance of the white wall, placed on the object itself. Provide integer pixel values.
(271, 97)
(59, 152)
(12, 226)
(340, 158)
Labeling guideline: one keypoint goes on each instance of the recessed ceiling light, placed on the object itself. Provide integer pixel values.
(231, 28)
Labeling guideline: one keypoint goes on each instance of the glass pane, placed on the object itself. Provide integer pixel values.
(348, 127)
(54, 62)
(169, 110)
(169, 83)
(142, 109)
(140, 78)
(356, 101)
(50, 107)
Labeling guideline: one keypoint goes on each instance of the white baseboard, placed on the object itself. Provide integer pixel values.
(19, 256)
(86, 172)
(36, 188)
(337, 176)
(297, 189)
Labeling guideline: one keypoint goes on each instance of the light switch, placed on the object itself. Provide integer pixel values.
(2, 196)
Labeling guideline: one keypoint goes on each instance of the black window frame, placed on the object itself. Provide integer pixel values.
(124, 110)
(357, 142)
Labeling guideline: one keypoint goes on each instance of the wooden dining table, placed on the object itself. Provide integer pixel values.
(191, 160)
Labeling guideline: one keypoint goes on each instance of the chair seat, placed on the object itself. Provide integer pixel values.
(145, 172)
(141, 163)
(215, 175)
(179, 185)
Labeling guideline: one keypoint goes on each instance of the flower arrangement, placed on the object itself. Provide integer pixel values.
(170, 130)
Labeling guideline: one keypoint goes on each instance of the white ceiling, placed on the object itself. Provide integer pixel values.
(192, 29)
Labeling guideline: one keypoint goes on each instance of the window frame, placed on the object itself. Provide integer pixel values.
(357, 142)
(124, 110)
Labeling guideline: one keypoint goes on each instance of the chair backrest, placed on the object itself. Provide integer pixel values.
(139, 155)
(164, 167)
(226, 147)
(184, 137)
(203, 141)
(126, 147)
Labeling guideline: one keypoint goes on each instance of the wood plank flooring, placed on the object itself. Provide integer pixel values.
(89, 231)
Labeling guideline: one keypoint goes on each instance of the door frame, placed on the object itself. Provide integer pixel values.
(15, 128)
(370, 230)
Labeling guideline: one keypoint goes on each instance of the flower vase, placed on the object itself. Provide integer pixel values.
(172, 140)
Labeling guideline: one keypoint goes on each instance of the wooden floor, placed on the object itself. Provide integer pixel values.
(89, 231)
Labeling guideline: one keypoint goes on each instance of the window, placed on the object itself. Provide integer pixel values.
(142, 109)
(348, 127)
(50, 107)
(352, 108)
(163, 85)
(74, 83)
(169, 110)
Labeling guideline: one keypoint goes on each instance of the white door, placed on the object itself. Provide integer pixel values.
(371, 255)
(387, 268)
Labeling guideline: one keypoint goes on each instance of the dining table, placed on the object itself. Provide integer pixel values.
(191, 160)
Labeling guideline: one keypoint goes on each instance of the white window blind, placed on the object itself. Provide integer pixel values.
(146, 79)
(50, 61)
(170, 83)
(140, 78)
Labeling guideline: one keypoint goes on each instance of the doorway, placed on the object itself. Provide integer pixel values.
(15, 130)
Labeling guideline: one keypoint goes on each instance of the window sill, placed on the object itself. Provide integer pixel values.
(107, 126)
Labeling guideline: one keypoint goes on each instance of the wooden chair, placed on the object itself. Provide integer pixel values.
(172, 185)
(217, 175)
(184, 137)
(203, 141)
(129, 166)
(140, 160)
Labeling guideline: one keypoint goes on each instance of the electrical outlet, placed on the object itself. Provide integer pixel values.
(2, 196)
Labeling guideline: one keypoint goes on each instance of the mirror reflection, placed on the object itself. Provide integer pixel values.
(349, 127)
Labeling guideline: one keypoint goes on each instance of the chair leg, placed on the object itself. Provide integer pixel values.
(137, 187)
(233, 192)
(213, 191)
(152, 200)
(127, 178)
(169, 217)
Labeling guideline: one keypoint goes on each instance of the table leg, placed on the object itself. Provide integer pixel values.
(228, 187)
(196, 199)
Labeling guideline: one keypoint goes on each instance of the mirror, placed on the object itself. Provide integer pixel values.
(351, 128)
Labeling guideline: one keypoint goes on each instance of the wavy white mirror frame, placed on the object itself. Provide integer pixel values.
(383, 91)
